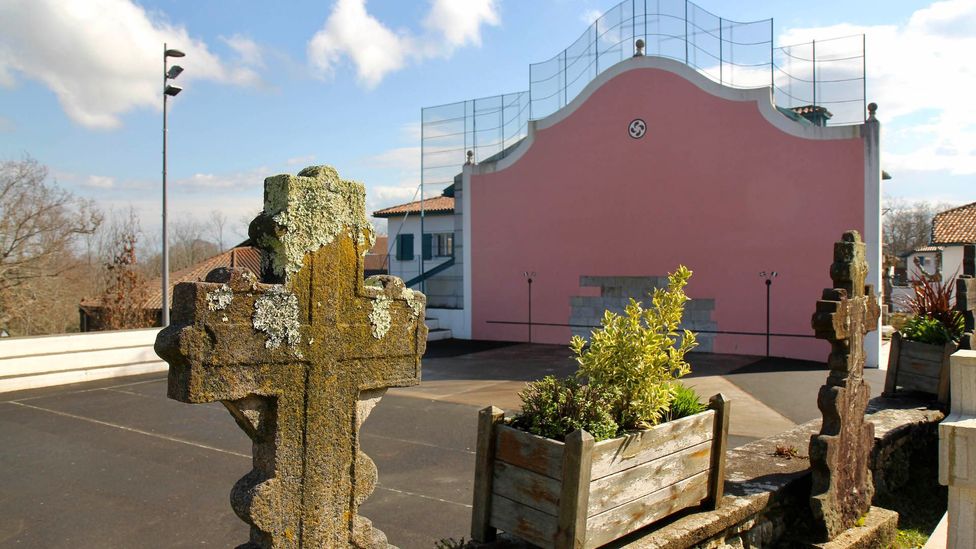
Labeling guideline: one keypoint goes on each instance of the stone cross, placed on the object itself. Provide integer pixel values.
(842, 486)
(299, 364)
(966, 296)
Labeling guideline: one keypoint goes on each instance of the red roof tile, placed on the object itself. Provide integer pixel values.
(440, 204)
(955, 226)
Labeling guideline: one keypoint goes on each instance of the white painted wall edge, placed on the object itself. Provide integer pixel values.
(32, 362)
(450, 319)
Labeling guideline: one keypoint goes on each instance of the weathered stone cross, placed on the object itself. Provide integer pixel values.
(842, 486)
(300, 364)
(966, 296)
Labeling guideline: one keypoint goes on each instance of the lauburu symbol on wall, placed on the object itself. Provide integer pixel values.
(637, 128)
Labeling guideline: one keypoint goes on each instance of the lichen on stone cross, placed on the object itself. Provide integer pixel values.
(842, 488)
(299, 357)
(966, 296)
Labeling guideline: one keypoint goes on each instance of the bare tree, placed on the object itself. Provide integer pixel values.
(188, 246)
(217, 222)
(39, 223)
(907, 226)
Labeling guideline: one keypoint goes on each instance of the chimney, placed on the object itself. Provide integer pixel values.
(818, 116)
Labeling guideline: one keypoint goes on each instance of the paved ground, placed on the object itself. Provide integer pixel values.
(116, 464)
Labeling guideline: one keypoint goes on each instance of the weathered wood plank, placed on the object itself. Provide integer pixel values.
(575, 495)
(611, 456)
(943, 390)
(619, 488)
(911, 382)
(528, 451)
(526, 487)
(618, 522)
(525, 522)
(894, 351)
(720, 438)
(488, 419)
(921, 359)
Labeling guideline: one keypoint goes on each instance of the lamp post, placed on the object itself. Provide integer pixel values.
(529, 275)
(169, 73)
(769, 276)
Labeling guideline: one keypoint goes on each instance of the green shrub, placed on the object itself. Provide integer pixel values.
(553, 408)
(638, 354)
(686, 403)
(925, 329)
(931, 303)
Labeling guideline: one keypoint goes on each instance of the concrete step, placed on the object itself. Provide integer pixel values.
(432, 323)
(437, 335)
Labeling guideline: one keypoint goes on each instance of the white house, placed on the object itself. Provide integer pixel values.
(440, 278)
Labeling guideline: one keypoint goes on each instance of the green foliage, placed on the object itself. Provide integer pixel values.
(935, 320)
(638, 354)
(553, 408)
(924, 329)
(686, 403)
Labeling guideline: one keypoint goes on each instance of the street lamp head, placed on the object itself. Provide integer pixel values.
(174, 71)
(174, 53)
(172, 91)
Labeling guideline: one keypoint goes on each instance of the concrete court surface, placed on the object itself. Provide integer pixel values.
(115, 463)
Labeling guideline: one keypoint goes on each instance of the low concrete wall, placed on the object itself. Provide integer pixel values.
(767, 497)
(43, 361)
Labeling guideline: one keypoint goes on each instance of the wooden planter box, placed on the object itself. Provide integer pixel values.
(914, 366)
(583, 494)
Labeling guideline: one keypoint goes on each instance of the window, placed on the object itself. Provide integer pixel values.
(445, 244)
(404, 250)
(427, 246)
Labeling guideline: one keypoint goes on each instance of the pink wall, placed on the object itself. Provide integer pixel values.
(713, 185)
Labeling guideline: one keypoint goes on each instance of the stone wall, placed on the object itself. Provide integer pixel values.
(616, 292)
(767, 495)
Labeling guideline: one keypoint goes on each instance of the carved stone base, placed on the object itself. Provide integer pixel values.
(878, 532)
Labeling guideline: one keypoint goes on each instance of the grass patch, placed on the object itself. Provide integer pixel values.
(920, 504)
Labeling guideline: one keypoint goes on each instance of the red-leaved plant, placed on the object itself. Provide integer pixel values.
(932, 298)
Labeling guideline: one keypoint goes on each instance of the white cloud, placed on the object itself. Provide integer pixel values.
(99, 182)
(7, 125)
(405, 159)
(103, 58)
(301, 160)
(249, 52)
(376, 50)
(209, 182)
(590, 16)
(920, 74)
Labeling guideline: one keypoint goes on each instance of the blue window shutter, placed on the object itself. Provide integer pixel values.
(405, 247)
(428, 248)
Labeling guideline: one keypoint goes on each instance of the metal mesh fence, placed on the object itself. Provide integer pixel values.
(828, 73)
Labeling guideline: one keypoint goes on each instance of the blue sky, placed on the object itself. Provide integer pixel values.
(271, 87)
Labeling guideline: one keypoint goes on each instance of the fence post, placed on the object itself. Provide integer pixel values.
(957, 458)
(484, 468)
(814, 73)
(721, 55)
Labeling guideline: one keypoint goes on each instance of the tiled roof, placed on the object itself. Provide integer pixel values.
(955, 226)
(440, 204)
(375, 260)
(242, 256)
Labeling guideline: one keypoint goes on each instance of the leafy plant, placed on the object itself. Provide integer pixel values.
(924, 329)
(686, 403)
(553, 408)
(640, 354)
(935, 320)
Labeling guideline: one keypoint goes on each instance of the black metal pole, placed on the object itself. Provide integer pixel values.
(769, 284)
(530, 310)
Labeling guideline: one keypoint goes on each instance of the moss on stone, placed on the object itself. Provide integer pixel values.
(311, 214)
(220, 298)
(415, 300)
(276, 314)
(379, 316)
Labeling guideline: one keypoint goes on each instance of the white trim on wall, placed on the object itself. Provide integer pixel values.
(761, 96)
